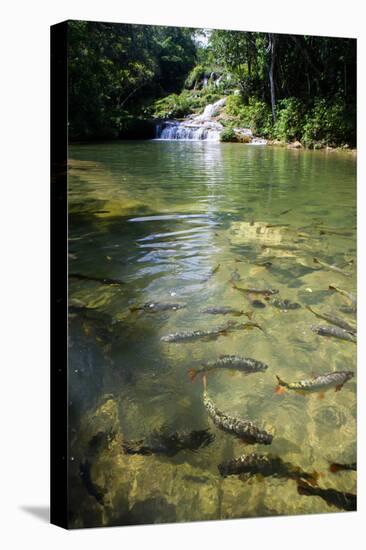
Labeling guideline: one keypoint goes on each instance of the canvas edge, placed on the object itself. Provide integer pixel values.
(58, 195)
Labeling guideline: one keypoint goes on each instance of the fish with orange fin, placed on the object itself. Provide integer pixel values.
(343, 501)
(265, 465)
(246, 365)
(320, 383)
(242, 428)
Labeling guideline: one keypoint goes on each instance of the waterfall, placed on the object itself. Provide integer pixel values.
(203, 127)
(188, 131)
(193, 128)
(211, 110)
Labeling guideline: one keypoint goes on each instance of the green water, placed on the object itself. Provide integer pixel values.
(161, 216)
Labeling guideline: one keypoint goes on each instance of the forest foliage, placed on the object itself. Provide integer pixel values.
(284, 87)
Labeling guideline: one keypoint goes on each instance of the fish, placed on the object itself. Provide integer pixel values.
(102, 280)
(254, 302)
(281, 246)
(246, 365)
(321, 383)
(155, 307)
(285, 212)
(239, 427)
(335, 332)
(343, 501)
(266, 466)
(345, 293)
(348, 309)
(285, 304)
(269, 225)
(258, 304)
(222, 310)
(169, 443)
(336, 467)
(333, 320)
(331, 267)
(325, 231)
(264, 291)
(215, 269)
(207, 334)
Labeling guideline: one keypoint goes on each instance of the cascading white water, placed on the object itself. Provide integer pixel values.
(188, 131)
(211, 110)
(194, 128)
(202, 127)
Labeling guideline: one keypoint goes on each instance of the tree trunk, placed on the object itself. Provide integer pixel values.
(272, 50)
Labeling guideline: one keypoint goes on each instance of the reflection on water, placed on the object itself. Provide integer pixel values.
(185, 223)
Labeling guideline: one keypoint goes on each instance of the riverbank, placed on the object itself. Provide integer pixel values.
(297, 145)
(318, 125)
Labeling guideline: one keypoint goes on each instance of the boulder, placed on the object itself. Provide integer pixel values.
(295, 145)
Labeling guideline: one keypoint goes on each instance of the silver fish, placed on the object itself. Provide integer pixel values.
(331, 267)
(334, 320)
(264, 465)
(222, 310)
(320, 383)
(246, 365)
(244, 429)
(335, 332)
(345, 293)
(208, 334)
(155, 307)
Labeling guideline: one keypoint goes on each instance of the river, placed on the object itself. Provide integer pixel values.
(184, 223)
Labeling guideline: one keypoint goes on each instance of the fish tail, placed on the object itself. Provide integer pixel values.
(303, 488)
(281, 385)
(313, 478)
(281, 382)
(192, 374)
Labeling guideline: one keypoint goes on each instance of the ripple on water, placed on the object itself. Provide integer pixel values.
(183, 219)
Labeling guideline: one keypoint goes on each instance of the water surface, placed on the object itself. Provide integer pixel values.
(161, 217)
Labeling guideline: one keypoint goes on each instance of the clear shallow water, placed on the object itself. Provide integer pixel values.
(161, 216)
